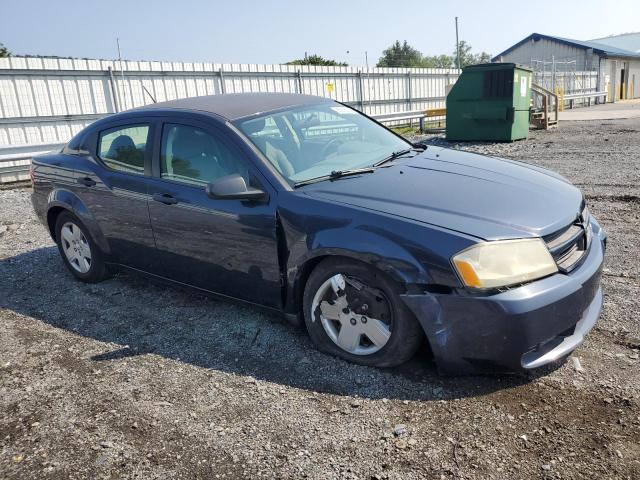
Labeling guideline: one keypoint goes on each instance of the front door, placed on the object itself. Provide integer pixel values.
(224, 246)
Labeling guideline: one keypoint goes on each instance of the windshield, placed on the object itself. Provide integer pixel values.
(309, 142)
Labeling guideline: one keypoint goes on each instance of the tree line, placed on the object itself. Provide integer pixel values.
(397, 55)
(404, 55)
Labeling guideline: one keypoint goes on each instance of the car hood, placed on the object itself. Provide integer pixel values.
(482, 196)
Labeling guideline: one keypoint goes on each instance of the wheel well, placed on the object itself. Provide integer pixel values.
(311, 264)
(52, 217)
(303, 276)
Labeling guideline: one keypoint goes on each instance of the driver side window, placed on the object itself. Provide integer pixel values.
(191, 155)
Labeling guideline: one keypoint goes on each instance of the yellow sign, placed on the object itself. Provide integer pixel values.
(330, 87)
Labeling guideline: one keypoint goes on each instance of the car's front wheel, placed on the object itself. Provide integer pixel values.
(79, 252)
(354, 311)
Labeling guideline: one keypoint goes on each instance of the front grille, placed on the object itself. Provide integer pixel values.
(568, 245)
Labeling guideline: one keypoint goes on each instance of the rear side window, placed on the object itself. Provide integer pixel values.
(73, 147)
(123, 148)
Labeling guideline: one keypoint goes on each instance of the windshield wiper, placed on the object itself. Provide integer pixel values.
(393, 156)
(335, 174)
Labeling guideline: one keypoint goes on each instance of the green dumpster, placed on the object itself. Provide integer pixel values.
(490, 101)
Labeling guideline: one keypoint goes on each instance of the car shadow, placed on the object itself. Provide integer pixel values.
(144, 317)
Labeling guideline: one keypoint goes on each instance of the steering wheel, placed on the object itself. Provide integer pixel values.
(333, 143)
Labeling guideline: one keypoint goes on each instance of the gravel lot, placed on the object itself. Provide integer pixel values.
(128, 378)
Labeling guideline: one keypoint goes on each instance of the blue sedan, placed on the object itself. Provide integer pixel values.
(305, 206)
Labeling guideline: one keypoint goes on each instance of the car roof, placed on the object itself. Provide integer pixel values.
(233, 106)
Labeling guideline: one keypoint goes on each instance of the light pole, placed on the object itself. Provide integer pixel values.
(457, 44)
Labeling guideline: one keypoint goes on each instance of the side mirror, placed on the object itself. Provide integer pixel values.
(233, 187)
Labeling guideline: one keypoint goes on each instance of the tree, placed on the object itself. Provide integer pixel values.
(400, 55)
(466, 57)
(316, 59)
(483, 57)
(438, 61)
(469, 58)
(3, 51)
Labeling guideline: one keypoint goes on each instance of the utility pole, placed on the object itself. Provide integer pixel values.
(457, 44)
(366, 61)
(124, 93)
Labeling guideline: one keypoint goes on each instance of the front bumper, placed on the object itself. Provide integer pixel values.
(522, 328)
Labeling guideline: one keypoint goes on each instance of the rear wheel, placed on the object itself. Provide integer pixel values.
(354, 312)
(79, 252)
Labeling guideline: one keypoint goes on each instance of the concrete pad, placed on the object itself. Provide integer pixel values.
(607, 111)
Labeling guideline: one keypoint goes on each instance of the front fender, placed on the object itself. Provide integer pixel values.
(365, 246)
(355, 243)
(66, 199)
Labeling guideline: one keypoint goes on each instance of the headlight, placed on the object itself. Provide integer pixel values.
(504, 263)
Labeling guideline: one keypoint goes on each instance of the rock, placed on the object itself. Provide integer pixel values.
(163, 404)
(546, 466)
(524, 437)
(608, 400)
(575, 361)
(400, 430)
(401, 444)
(107, 444)
(3, 228)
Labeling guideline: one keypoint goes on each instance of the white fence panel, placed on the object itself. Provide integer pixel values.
(45, 101)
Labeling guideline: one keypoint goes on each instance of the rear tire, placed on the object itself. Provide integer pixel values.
(78, 250)
(354, 312)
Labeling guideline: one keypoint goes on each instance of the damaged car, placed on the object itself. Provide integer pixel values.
(305, 206)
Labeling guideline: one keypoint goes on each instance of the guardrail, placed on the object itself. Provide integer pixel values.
(15, 160)
(582, 96)
(420, 115)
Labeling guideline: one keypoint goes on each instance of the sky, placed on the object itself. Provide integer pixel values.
(276, 31)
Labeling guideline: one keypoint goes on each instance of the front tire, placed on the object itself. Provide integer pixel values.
(354, 311)
(78, 250)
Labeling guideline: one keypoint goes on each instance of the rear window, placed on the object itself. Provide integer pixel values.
(123, 148)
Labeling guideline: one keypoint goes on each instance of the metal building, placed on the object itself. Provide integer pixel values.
(617, 69)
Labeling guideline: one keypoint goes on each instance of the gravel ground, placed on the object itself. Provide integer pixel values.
(131, 379)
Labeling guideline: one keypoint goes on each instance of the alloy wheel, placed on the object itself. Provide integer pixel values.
(76, 247)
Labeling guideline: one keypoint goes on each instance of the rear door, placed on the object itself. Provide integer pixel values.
(224, 246)
(113, 186)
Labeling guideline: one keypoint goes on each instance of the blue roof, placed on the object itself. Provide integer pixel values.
(599, 48)
(629, 41)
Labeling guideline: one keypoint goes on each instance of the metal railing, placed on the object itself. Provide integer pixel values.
(584, 96)
(16, 160)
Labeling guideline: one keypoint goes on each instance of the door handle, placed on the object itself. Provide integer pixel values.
(164, 198)
(86, 181)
